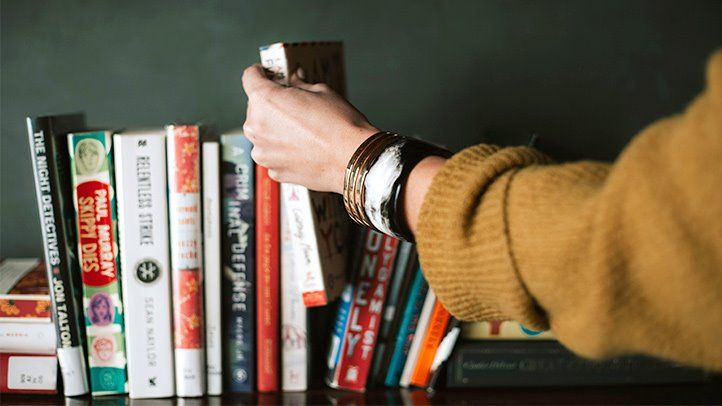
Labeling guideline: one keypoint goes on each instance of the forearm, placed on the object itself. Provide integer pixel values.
(416, 187)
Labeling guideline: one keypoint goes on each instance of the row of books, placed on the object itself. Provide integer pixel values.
(176, 266)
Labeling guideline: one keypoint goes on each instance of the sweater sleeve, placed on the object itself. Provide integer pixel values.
(615, 258)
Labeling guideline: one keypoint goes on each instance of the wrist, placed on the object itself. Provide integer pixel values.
(351, 141)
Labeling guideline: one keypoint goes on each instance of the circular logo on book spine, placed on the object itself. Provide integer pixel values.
(147, 271)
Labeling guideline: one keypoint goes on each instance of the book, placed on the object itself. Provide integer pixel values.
(320, 225)
(398, 288)
(438, 366)
(267, 282)
(407, 327)
(25, 373)
(238, 261)
(91, 163)
(365, 313)
(418, 338)
(141, 188)
(484, 363)
(184, 215)
(24, 295)
(28, 338)
(212, 264)
(294, 333)
(502, 330)
(435, 332)
(51, 172)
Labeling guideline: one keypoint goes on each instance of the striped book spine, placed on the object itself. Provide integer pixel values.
(91, 162)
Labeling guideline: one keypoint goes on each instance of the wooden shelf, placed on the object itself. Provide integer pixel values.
(707, 393)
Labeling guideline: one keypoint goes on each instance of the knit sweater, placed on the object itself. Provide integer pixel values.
(615, 258)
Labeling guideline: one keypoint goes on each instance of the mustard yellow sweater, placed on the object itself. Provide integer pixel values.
(614, 258)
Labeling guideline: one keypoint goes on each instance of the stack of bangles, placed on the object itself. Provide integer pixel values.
(375, 178)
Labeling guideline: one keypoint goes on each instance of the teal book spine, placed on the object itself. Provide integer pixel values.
(91, 163)
(405, 335)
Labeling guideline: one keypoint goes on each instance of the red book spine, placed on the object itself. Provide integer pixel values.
(27, 307)
(365, 314)
(267, 281)
(28, 373)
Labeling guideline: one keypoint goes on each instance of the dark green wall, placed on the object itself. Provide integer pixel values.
(586, 75)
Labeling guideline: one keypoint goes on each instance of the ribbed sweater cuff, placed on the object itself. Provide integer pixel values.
(463, 239)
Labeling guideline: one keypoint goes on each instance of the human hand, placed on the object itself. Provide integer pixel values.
(304, 134)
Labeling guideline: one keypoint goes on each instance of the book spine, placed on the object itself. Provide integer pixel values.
(294, 334)
(438, 366)
(239, 264)
(25, 308)
(502, 330)
(53, 198)
(402, 275)
(212, 265)
(477, 364)
(267, 281)
(92, 178)
(430, 343)
(27, 338)
(25, 373)
(366, 311)
(419, 334)
(140, 175)
(338, 331)
(184, 202)
(405, 334)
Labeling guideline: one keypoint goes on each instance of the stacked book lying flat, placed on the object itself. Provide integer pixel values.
(178, 267)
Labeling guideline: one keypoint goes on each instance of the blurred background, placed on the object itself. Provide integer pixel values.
(584, 75)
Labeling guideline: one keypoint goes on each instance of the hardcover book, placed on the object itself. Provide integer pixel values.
(24, 294)
(49, 156)
(25, 373)
(365, 313)
(479, 364)
(212, 264)
(239, 263)
(94, 197)
(267, 282)
(141, 187)
(184, 214)
(320, 225)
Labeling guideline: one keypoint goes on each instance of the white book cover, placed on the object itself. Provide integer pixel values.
(212, 264)
(140, 173)
(419, 334)
(27, 338)
(294, 334)
(319, 223)
(186, 239)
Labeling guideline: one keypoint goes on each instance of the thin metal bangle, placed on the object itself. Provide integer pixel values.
(351, 169)
(359, 189)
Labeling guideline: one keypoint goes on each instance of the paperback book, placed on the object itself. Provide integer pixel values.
(91, 162)
(319, 224)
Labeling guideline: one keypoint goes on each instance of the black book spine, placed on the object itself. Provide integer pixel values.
(238, 263)
(488, 363)
(48, 148)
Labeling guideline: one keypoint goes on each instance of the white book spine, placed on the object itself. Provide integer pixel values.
(184, 214)
(212, 264)
(294, 334)
(418, 339)
(140, 173)
(27, 338)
